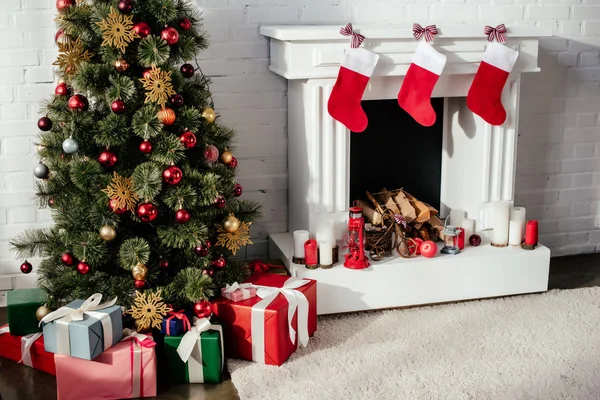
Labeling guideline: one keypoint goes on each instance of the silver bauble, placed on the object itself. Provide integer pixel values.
(41, 171)
(70, 146)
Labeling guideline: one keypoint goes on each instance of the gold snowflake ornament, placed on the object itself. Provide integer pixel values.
(233, 241)
(71, 56)
(117, 30)
(158, 86)
(121, 191)
(149, 309)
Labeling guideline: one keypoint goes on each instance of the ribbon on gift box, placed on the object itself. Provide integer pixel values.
(190, 349)
(296, 300)
(243, 287)
(179, 315)
(64, 315)
(26, 342)
(137, 368)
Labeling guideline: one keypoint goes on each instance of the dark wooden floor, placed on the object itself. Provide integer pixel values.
(21, 383)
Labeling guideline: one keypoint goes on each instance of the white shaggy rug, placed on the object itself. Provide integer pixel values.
(543, 346)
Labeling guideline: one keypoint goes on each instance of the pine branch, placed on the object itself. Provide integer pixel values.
(190, 285)
(153, 51)
(182, 236)
(168, 151)
(145, 122)
(147, 180)
(134, 251)
(122, 87)
(33, 243)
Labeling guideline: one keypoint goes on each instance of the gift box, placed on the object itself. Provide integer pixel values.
(236, 292)
(83, 329)
(176, 323)
(28, 350)
(22, 305)
(126, 370)
(261, 329)
(197, 356)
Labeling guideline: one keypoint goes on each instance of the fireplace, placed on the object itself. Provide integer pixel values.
(477, 165)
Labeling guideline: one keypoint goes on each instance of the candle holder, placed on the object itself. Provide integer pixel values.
(450, 237)
(526, 246)
(298, 260)
(499, 245)
(335, 257)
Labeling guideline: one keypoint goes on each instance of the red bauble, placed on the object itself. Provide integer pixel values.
(238, 190)
(233, 163)
(113, 206)
(203, 309)
(428, 249)
(208, 271)
(187, 70)
(118, 106)
(62, 5)
(202, 250)
(170, 35)
(108, 159)
(147, 212)
(219, 262)
(176, 100)
(142, 29)
(475, 240)
(166, 116)
(125, 6)
(185, 24)
(146, 147)
(146, 73)
(51, 202)
(44, 124)
(182, 216)
(83, 268)
(139, 284)
(61, 89)
(172, 175)
(188, 139)
(211, 154)
(67, 259)
(163, 264)
(78, 102)
(26, 267)
(220, 202)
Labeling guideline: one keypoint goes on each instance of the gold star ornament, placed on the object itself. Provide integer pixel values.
(149, 309)
(117, 30)
(121, 191)
(158, 86)
(234, 240)
(71, 56)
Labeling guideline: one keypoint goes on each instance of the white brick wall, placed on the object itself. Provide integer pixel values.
(559, 148)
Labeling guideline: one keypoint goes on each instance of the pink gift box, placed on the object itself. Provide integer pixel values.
(126, 370)
(237, 292)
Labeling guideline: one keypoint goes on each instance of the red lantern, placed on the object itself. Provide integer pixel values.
(356, 258)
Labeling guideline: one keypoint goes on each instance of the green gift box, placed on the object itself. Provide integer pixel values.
(22, 305)
(202, 350)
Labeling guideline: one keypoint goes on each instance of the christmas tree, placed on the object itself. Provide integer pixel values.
(139, 176)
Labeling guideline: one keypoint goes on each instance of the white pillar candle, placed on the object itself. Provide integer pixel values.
(468, 225)
(500, 222)
(300, 237)
(518, 214)
(515, 233)
(325, 233)
(325, 253)
(456, 217)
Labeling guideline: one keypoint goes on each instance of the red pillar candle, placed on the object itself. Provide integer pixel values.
(311, 257)
(531, 233)
(459, 241)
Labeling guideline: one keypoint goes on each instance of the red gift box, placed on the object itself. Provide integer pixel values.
(10, 347)
(278, 346)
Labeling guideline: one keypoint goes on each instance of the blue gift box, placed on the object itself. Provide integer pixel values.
(176, 325)
(86, 337)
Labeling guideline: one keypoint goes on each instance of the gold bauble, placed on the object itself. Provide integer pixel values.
(41, 312)
(121, 65)
(231, 224)
(226, 157)
(108, 233)
(209, 115)
(139, 272)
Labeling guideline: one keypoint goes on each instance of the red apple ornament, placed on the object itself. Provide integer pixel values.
(428, 249)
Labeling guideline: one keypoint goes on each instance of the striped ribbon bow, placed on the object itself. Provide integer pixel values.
(428, 31)
(357, 38)
(496, 33)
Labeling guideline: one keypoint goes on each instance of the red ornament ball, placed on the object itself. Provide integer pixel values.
(147, 212)
(211, 154)
(176, 100)
(188, 139)
(238, 190)
(125, 6)
(26, 267)
(146, 73)
(108, 159)
(170, 35)
(220, 202)
(142, 29)
(208, 271)
(61, 89)
(139, 284)
(219, 262)
(475, 240)
(118, 106)
(114, 207)
(182, 216)
(51, 202)
(67, 259)
(44, 124)
(202, 250)
(203, 309)
(163, 263)
(62, 5)
(187, 70)
(172, 175)
(78, 102)
(83, 268)
(428, 249)
(185, 24)
(146, 147)
(233, 163)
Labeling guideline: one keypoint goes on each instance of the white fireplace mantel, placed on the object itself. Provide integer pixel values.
(478, 160)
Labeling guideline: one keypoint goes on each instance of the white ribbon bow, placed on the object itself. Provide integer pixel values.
(242, 286)
(64, 315)
(4, 330)
(138, 341)
(296, 300)
(190, 350)
(26, 342)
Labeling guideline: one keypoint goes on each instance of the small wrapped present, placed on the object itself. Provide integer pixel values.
(176, 323)
(28, 350)
(238, 292)
(197, 356)
(22, 305)
(83, 329)
(269, 327)
(125, 371)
